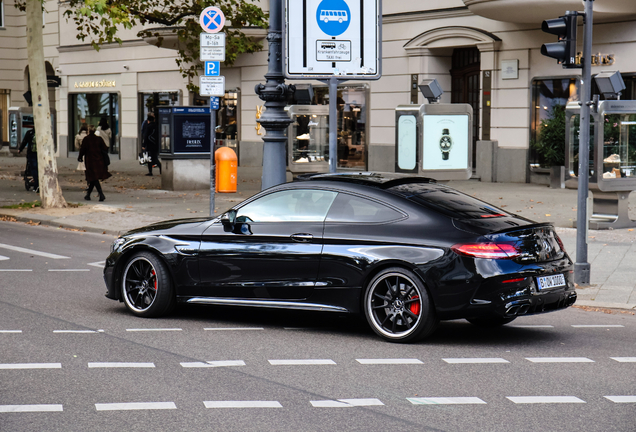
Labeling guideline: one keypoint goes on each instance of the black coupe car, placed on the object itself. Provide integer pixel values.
(404, 251)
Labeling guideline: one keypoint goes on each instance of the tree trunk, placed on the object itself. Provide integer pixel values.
(50, 192)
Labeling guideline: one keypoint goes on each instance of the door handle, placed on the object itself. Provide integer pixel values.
(302, 237)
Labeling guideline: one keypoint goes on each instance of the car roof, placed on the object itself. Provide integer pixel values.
(372, 179)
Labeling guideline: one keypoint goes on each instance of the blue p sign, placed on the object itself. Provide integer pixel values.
(212, 68)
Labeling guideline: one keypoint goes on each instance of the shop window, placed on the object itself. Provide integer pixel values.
(549, 98)
(352, 123)
(227, 118)
(93, 109)
(149, 101)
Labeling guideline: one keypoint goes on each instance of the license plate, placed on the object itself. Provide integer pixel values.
(548, 282)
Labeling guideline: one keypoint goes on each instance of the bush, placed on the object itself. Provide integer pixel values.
(550, 144)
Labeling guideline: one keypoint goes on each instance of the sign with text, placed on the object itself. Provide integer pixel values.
(325, 38)
(212, 86)
(212, 47)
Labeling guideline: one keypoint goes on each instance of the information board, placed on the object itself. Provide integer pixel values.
(324, 38)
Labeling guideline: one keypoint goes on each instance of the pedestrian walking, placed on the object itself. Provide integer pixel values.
(32, 158)
(104, 131)
(80, 136)
(150, 144)
(92, 152)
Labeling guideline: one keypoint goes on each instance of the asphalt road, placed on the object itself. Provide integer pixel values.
(72, 360)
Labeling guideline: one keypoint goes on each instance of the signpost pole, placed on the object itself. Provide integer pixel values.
(333, 124)
(212, 160)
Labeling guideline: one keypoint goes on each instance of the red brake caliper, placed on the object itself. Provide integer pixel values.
(152, 272)
(415, 306)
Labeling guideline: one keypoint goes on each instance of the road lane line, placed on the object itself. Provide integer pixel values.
(544, 399)
(32, 252)
(621, 399)
(75, 331)
(624, 359)
(559, 360)
(389, 361)
(119, 365)
(69, 270)
(597, 325)
(242, 404)
(128, 406)
(232, 328)
(15, 270)
(153, 329)
(211, 364)
(446, 401)
(346, 403)
(531, 326)
(99, 264)
(474, 360)
(10, 331)
(31, 366)
(3, 258)
(31, 408)
(301, 362)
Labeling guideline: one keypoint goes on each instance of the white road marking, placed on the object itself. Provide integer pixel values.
(99, 264)
(31, 408)
(301, 362)
(32, 251)
(69, 270)
(3, 258)
(596, 325)
(10, 331)
(475, 360)
(232, 328)
(211, 364)
(446, 401)
(135, 406)
(31, 366)
(621, 399)
(624, 359)
(242, 404)
(74, 331)
(15, 270)
(152, 329)
(559, 360)
(119, 365)
(531, 326)
(389, 361)
(346, 403)
(544, 399)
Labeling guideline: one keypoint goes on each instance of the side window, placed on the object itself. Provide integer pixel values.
(350, 208)
(291, 205)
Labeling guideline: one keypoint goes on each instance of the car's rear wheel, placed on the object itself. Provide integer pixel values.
(146, 286)
(490, 321)
(397, 306)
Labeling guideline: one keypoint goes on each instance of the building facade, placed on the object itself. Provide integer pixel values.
(485, 53)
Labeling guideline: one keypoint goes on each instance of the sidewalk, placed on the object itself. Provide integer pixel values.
(134, 200)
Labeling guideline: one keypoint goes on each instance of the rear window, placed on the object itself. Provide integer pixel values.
(450, 202)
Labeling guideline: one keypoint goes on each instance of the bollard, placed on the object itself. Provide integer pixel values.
(226, 161)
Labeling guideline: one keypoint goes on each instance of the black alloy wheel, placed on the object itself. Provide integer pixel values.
(398, 307)
(146, 286)
(491, 321)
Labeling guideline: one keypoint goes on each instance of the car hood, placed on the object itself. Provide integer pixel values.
(189, 226)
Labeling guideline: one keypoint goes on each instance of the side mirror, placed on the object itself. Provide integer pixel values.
(229, 219)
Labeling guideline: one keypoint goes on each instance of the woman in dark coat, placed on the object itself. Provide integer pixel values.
(92, 152)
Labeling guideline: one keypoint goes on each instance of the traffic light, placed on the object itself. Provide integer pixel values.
(565, 49)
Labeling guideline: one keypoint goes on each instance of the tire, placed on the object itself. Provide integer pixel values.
(146, 286)
(397, 306)
(490, 321)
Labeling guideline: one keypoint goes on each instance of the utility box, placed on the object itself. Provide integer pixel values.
(184, 132)
(20, 121)
(434, 140)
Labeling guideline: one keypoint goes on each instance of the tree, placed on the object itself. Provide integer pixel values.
(50, 192)
(550, 144)
(100, 20)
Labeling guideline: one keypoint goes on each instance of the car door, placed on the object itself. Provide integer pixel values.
(272, 251)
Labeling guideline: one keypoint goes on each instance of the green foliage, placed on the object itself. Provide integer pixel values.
(100, 20)
(550, 144)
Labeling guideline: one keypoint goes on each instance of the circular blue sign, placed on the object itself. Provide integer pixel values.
(333, 17)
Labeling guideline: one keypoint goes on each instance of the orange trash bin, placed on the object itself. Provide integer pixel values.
(226, 163)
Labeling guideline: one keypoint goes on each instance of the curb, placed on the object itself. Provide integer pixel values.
(52, 224)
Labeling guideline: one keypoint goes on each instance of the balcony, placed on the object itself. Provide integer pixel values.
(535, 11)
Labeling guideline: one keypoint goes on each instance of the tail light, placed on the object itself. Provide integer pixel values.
(558, 239)
(487, 250)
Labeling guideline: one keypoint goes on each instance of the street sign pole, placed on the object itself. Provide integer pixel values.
(582, 267)
(333, 124)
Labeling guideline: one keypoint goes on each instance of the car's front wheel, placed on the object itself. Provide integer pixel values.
(146, 286)
(397, 306)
